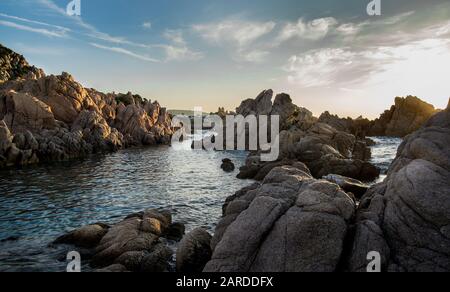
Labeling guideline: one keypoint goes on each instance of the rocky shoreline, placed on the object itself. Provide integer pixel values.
(309, 211)
(54, 118)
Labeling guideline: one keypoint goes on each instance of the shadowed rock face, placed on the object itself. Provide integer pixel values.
(289, 223)
(406, 116)
(407, 217)
(55, 118)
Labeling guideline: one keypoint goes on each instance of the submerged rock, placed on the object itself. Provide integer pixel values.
(227, 165)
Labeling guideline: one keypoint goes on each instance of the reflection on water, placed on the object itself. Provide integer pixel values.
(40, 203)
(383, 153)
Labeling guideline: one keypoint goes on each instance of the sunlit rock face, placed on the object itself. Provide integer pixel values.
(326, 145)
(64, 120)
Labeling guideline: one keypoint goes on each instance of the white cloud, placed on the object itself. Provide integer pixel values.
(312, 30)
(42, 31)
(125, 52)
(178, 50)
(239, 32)
(239, 36)
(61, 28)
(147, 25)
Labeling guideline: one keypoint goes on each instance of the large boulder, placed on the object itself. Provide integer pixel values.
(407, 217)
(289, 223)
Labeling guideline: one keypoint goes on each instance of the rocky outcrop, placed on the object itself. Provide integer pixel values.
(194, 251)
(14, 66)
(407, 217)
(290, 222)
(406, 116)
(323, 148)
(136, 244)
(55, 118)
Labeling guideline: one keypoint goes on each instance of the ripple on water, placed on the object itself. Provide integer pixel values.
(37, 204)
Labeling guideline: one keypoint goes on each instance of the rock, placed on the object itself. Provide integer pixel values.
(194, 251)
(87, 236)
(406, 116)
(14, 66)
(116, 268)
(406, 217)
(348, 184)
(54, 118)
(25, 112)
(175, 231)
(135, 244)
(290, 223)
(227, 165)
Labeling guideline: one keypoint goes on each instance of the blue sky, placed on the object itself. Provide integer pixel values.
(329, 55)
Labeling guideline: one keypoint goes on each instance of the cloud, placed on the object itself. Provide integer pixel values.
(237, 31)
(61, 28)
(147, 25)
(239, 36)
(42, 31)
(178, 50)
(125, 52)
(312, 30)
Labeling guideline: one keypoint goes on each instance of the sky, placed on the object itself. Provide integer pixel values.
(328, 55)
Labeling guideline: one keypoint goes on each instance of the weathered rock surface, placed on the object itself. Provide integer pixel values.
(136, 244)
(14, 66)
(56, 118)
(349, 185)
(194, 251)
(407, 217)
(406, 116)
(289, 223)
(323, 148)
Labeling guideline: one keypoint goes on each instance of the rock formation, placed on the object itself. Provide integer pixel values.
(194, 251)
(136, 244)
(14, 66)
(406, 116)
(293, 222)
(288, 223)
(407, 217)
(323, 148)
(53, 118)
